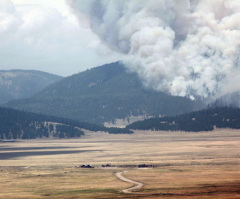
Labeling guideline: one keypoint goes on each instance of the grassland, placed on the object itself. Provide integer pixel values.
(186, 165)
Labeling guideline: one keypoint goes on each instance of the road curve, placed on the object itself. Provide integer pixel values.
(138, 185)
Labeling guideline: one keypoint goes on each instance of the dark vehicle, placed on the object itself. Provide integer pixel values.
(86, 166)
(144, 165)
(107, 165)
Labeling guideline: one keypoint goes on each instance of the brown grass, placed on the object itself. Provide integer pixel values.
(188, 165)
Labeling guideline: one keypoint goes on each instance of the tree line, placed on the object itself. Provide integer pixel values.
(19, 124)
(204, 120)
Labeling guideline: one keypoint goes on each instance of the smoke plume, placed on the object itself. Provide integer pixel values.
(183, 47)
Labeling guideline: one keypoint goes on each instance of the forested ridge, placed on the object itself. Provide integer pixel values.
(103, 94)
(19, 124)
(204, 120)
(16, 84)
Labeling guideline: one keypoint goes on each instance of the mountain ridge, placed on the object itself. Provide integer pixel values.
(17, 84)
(103, 94)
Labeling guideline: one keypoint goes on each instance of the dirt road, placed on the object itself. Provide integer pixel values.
(138, 185)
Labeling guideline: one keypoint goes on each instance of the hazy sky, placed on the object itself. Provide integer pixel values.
(45, 35)
(182, 47)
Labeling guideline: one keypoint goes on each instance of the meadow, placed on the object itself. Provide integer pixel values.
(185, 165)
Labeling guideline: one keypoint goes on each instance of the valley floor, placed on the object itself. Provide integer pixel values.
(185, 165)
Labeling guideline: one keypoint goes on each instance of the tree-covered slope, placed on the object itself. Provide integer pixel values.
(230, 100)
(16, 84)
(18, 124)
(204, 120)
(103, 94)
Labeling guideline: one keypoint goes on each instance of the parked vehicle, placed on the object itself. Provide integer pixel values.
(86, 166)
(106, 165)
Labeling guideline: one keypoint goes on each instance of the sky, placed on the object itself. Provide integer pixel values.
(188, 48)
(45, 35)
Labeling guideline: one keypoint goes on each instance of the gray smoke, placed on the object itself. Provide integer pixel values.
(183, 47)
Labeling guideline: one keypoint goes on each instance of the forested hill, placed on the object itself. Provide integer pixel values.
(16, 84)
(204, 120)
(18, 124)
(103, 94)
(230, 100)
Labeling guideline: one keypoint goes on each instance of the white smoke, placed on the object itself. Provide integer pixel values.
(183, 47)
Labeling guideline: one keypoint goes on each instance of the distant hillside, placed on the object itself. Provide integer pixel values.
(230, 100)
(204, 120)
(18, 124)
(16, 84)
(103, 94)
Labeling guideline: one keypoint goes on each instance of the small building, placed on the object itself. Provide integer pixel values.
(12, 140)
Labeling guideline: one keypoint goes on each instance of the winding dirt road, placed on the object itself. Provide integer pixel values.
(138, 185)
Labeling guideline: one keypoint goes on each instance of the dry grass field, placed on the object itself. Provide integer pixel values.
(185, 165)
